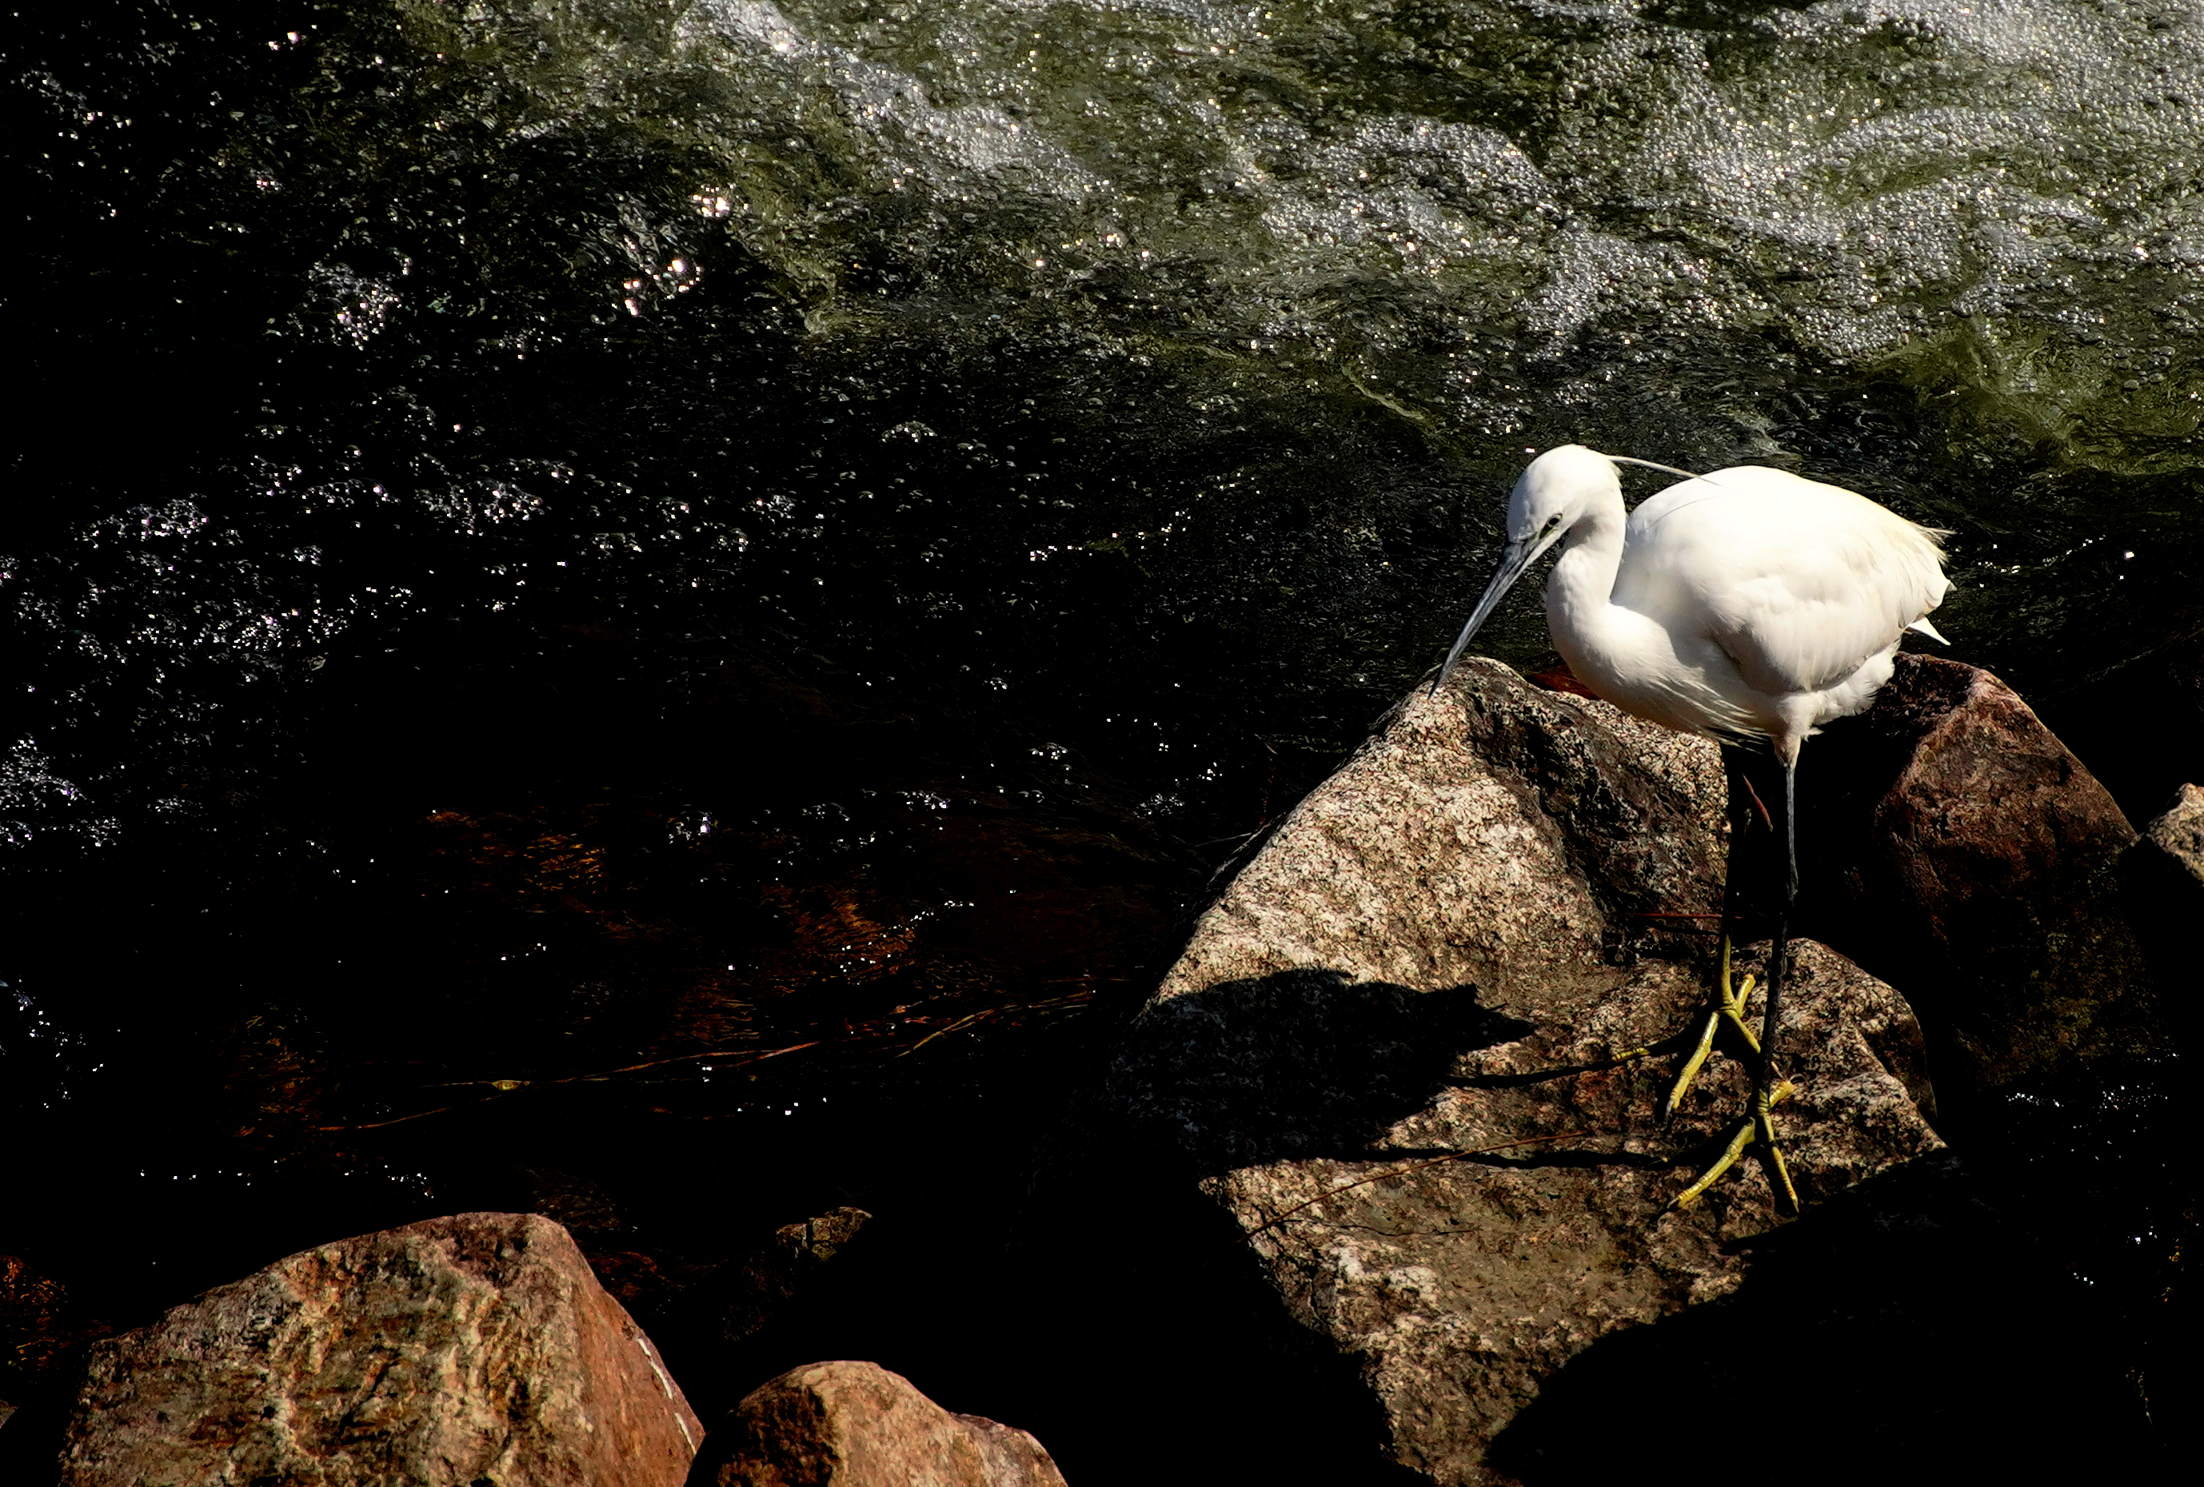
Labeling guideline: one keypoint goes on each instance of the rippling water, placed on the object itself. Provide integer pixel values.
(551, 535)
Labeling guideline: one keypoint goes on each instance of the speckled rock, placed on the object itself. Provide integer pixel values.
(855, 1424)
(2175, 840)
(1497, 834)
(455, 1351)
(1390, 1055)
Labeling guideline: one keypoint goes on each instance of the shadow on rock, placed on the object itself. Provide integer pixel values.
(1181, 1342)
(1295, 1065)
(1899, 1333)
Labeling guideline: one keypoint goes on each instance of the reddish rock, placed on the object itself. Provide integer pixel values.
(43, 1338)
(34, 1321)
(1953, 847)
(853, 1424)
(459, 1350)
(27, 1298)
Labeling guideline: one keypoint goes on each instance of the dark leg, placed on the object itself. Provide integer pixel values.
(1764, 1094)
(1779, 959)
(1768, 1090)
(1729, 998)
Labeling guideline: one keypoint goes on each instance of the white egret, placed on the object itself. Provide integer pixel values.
(1745, 605)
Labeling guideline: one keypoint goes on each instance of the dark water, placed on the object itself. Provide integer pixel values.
(557, 551)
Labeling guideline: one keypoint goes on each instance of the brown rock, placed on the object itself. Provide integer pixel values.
(1388, 1056)
(457, 1350)
(37, 1332)
(854, 1424)
(1952, 846)
(1014, 1458)
(43, 1338)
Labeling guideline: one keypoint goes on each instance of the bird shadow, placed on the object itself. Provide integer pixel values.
(1296, 1065)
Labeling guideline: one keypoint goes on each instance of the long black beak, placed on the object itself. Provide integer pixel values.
(1515, 560)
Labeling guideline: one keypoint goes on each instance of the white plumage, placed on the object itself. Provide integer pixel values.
(1743, 605)
(1747, 603)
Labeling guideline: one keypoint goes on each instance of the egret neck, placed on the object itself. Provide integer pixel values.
(1620, 654)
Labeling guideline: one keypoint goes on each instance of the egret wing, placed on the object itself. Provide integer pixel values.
(1798, 582)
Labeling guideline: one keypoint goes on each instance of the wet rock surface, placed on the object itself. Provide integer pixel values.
(461, 1349)
(776, 1273)
(855, 1424)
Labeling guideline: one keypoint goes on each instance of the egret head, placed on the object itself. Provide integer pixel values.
(1553, 491)
(1552, 495)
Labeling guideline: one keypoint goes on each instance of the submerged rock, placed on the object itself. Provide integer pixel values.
(753, 1290)
(455, 1351)
(855, 1424)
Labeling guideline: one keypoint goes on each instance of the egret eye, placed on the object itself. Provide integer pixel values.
(1551, 522)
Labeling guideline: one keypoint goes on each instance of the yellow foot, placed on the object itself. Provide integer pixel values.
(1729, 1006)
(1756, 1128)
